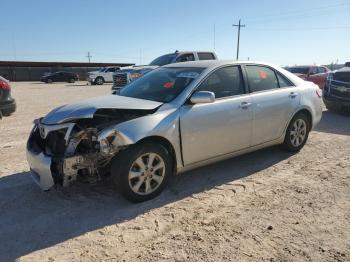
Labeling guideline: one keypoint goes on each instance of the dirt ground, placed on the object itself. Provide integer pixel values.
(266, 206)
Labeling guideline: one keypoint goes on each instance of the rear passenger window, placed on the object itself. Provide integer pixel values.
(185, 58)
(206, 56)
(283, 82)
(261, 78)
(224, 82)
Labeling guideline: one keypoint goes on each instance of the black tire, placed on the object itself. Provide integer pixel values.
(125, 161)
(49, 81)
(72, 80)
(288, 143)
(99, 80)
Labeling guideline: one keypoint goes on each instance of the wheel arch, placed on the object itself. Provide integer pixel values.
(307, 113)
(165, 143)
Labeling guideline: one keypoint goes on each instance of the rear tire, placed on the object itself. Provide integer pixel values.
(71, 80)
(297, 133)
(49, 81)
(142, 171)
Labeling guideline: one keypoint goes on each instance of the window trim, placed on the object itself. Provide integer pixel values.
(246, 91)
(244, 66)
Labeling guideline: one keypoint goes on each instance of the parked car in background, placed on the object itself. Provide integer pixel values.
(175, 118)
(336, 94)
(7, 103)
(129, 74)
(99, 77)
(60, 76)
(315, 74)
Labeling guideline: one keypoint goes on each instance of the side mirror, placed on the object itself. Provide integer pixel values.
(202, 97)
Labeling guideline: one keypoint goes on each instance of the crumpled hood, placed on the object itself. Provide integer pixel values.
(87, 108)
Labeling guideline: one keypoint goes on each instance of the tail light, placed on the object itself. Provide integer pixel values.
(4, 85)
(319, 92)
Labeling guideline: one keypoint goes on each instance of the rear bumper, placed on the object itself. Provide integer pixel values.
(8, 107)
(40, 168)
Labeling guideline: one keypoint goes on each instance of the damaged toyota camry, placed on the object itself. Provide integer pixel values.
(176, 118)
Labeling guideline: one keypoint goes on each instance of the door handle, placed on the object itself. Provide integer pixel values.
(293, 94)
(245, 105)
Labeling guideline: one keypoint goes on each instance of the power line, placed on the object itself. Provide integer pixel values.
(297, 13)
(239, 33)
(298, 29)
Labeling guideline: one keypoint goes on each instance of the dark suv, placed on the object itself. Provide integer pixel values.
(7, 103)
(60, 76)
(336, 94)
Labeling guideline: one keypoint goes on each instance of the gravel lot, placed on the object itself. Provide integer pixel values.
(265, 206)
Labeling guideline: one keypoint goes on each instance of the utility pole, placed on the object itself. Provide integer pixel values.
(89, 56)
(239, 33)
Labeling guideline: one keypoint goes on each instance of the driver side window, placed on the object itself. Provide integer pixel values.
(224, 82)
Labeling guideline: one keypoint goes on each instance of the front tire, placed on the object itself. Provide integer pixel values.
(72, 80)
(297, 133)
(99, 81)
(142, 171)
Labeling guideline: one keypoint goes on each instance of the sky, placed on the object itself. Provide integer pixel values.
(283, 32)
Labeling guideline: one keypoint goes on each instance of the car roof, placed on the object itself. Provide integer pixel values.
(299, 66)
(215, 63)
(212, 64)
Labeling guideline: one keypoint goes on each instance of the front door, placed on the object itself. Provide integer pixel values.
(224, 126)
(275, 100)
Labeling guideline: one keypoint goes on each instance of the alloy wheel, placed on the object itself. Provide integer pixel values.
(146, 174)
(298, 132)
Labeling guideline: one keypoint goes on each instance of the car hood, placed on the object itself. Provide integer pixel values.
(94, 72)
(87, 108)
(136, 68)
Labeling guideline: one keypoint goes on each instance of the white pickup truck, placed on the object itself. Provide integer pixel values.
(101, 76)
(131, 73)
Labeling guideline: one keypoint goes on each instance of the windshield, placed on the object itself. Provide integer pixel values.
(163, 60)
(161, 85)
(299, 70)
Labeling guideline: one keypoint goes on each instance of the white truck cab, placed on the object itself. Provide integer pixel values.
(101, 76)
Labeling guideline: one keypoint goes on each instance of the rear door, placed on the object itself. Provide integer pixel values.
(214, 129)
(275, 99)
(56, 76)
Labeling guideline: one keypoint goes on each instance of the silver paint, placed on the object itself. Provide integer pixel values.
(208, 132)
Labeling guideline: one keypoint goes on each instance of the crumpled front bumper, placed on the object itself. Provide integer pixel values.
(40, 168)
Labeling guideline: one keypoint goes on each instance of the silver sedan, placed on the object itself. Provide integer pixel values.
(176, 118)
